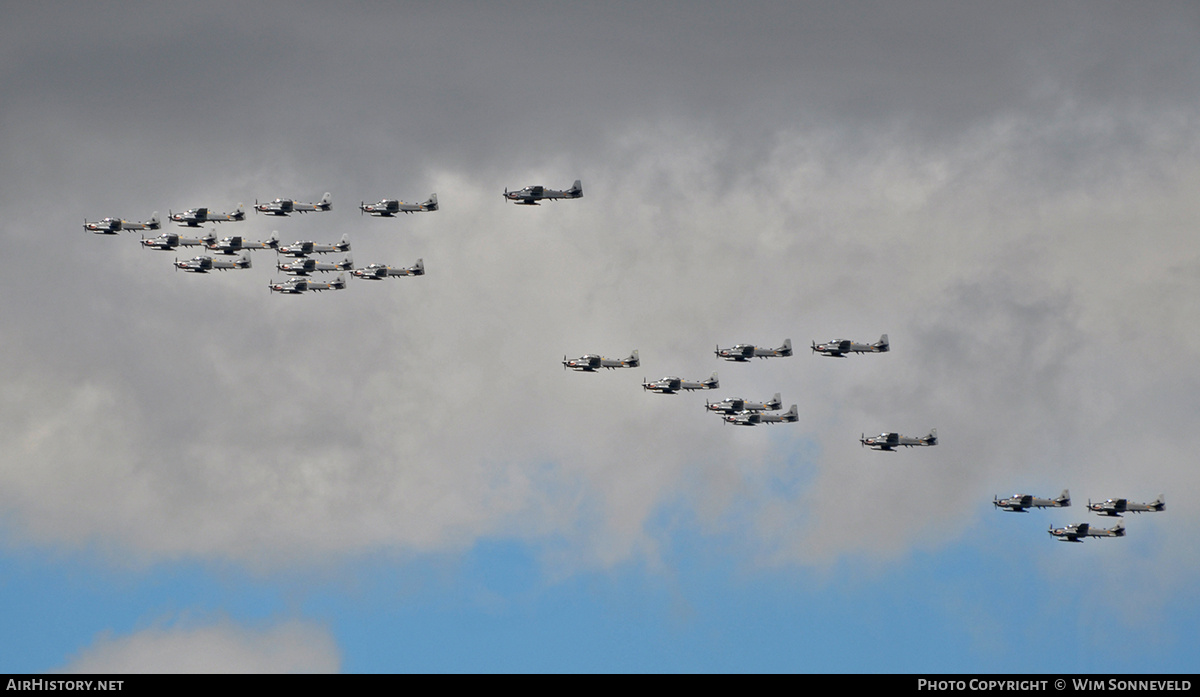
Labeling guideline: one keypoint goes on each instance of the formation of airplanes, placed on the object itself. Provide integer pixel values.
(530, 195)
(1078, 532)
(744, 352)
(286, 206)
(111, 226)
(838, 348)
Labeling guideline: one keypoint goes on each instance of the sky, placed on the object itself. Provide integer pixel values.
(201, 475)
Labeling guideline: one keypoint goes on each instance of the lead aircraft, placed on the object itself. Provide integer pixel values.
(111, 226)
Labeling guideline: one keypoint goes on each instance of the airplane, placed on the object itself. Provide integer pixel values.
(1115, 507)
(236, 243)
(196, 217)
(111, 226)
(378, 272)
(754, 418)
(671, 385)
(1076, 532)
(530, 195)
(205, 264)
(300, 249)
(590, 362)
(170, 240)
(295, 286)
(733, 405)
(388, 208)
(891, 441)
(1020, 503)
(838, 348)
(744, 352)
(305, 265)
(284, 206)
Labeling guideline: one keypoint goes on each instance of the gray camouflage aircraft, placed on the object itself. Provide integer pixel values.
(204, 264)
(170, 240)
(196, 217)
(1115, 507)
(734, 405)
(111, 226)
(838, 348)
(1077, 532)
(1020, 503)
(236, 243)
(301, 249)
(744, 352)
(306, 265)
(378, 272)
(530, 195)
(671, 385)
(754, 418)
(891, 441)
(591, 362)
(388, 208)
(295, 286)
(286, 206)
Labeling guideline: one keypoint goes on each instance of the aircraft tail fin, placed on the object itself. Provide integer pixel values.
(1118, 530)
(576, 189)
(931, 439)
(340, 282)
(240, 213)
(326, 202)
(1159, 504)
(1064, 499)
(786, 349)
(154, 223)
(419, 268)
(776, 402)
(431, 204)
(344, 244)
(711, 383)
(244, 261)
(273, 240)
(633, 361)
(883, 344)
(792, 415)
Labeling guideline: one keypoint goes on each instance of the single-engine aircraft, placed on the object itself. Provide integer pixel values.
(838, 348)
(1020, 503)
(295, 286)
(1076, 532)
(744, 352)
(204, 264)
(754, 418)
(530, 195)
(671, 385)
(378, 272)
(170, 240)
(303, 266)
(389, 207)
(734, 405)
(301, 249)
(891, 441)
(284, 206)
(591, 362)
(111, 226)
(1115, 507)
(236, 243)
(196, 217)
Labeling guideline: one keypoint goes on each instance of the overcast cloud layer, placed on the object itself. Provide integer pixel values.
(1009, 195)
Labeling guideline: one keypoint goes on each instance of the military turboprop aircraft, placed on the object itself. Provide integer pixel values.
(671, 385)
(378, 272)
(744, 352)
(754, 418)
(284, 206)
(295, 286)
(170, 240)
(301, 249)
(1115, 507)
(530, 195)
(196, 217)
(838, 348)
(591, 362)
(204, 264)
(388, 208)
(306, 265)
(111, 226)
(1019, 503)
(1076, 532)
(236, 243)
(891, 441)
(734, 405)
